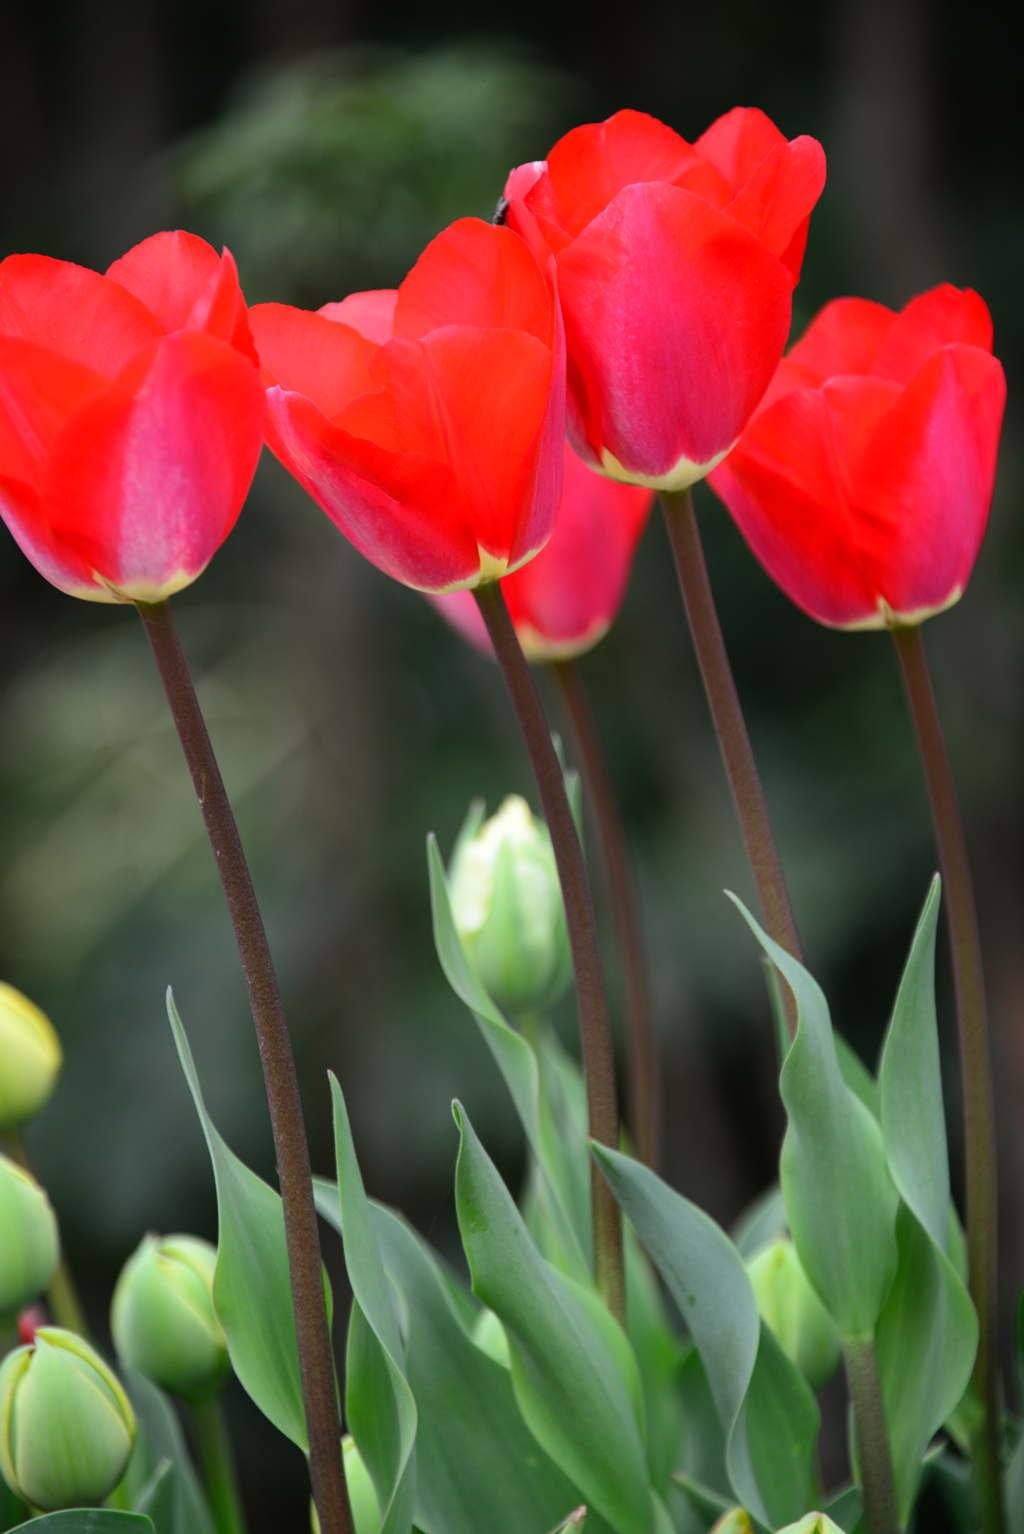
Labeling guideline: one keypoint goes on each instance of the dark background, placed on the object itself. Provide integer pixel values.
(326, 143)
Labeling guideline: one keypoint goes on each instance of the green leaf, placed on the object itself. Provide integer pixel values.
(857, 1076)
(573, 1371)
(251, 1286)
(765, 1407)
(910, 1084)
(840, 1199)
(160, 1430)
(89, 1520)
(477, 1463)
(659, 1356)
(761, 1223)
(926, 1336)
(379, 1404)
(1014, 1492)
(515, 1059)
(157, 1499)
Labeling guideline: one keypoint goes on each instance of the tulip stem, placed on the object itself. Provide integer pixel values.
(591, 998)
(734, 742)
(316, 1363)
(877, 1479)
(641, 1044)
(61, 1293)
(975, 1063)
(218, 1466)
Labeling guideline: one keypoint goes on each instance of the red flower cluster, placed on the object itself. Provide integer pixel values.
(641, 291)
(863, 482)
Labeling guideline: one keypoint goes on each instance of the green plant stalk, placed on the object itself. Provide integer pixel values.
(316, 1362)
(218, 1466)
(591, 997)
(975, 1064)
(878, 1481)
(730, 727)
(61, 1293)
(641, 1043)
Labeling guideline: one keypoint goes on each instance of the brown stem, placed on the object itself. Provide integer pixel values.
(591, 1000)
(723, 700)
(316, 1364)
(878, 1482)
(975, 1063)
(641, 1044)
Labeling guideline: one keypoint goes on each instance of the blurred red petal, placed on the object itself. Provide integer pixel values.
(22, 508)
(676, 317)
(309, 354)
(73, 311)
(146, 479)
(460, 610)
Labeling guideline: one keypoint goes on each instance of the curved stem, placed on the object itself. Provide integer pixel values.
(733, 740)
(595, 1032)
(218, 1466)
(975, 1063)
(316, 1363)
(641, 1044)
(878, 1482)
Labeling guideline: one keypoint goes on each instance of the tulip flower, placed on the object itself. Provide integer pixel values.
(30, 1059)
(863, 482)
(428, 422)
(566, 598)
(162, 1316)
(675, 265)
(131, 416)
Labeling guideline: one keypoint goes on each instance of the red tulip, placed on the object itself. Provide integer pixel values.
(863, 482)
(428, 423)
(565, 599)
(676, 265)
(131, 416)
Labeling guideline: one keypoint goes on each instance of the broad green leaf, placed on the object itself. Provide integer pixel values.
(840, 1199)
(161, 1438)
(659, 1356)
(761, 1223)
(379, 1404)
(857, 1076)
(926, 1336)
(1014, 1490)
(765, 1407)
(910, 1083)
(251, 1286)
(512, 1054)
(703, 1449)
(89, 1520)
(477, 1463)
(573, 1371)
(157, 1497)
(707, 1502)
(845, 1508)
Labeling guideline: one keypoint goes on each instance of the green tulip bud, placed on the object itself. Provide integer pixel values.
(812, 1523)
(66, 1426)
(508, 910)
(735, 1521)
(792, 1309)
(29, 1249)
(163, 1320)
(30, 1058)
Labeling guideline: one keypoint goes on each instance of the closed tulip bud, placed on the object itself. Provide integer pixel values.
(163, 1320)
(508, 909)
(794, 1312)
(28, 1238)
(30, 1058)
(66, 1426)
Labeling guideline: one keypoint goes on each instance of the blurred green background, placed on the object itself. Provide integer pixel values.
(326, 143)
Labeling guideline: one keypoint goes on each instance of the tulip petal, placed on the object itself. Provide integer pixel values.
(313, 355)
(478, 400)
(38, 390)
(476, 274)
(844, 338)
(21, 507)
(185, 285)
(372, 313)
(786, 487)
(74, 312)
(593, 163)
(776, 202)
(738, 142)
(675, 317)
(404, 512)
(924, 484)
(941, 317)
(147, 478)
